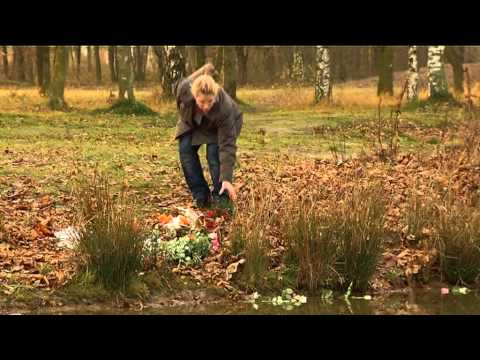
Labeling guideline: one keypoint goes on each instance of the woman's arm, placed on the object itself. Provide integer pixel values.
(208, 69)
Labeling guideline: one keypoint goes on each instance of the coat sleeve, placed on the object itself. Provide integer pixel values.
(180, 89)
(227, 143)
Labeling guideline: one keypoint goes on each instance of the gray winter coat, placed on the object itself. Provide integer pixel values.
(225, 117)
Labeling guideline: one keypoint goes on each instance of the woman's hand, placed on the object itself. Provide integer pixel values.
(209, 69)
(226, 185)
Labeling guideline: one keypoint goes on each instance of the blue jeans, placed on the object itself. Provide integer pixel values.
(192, 169)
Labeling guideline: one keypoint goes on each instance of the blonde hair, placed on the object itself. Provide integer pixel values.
(205, 85)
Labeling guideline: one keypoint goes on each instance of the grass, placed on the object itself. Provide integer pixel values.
(284, 121)
(336, 247)
(249, 235)
(312, 244)
(51, 147)
(458, 242)
(110, 241)
(359, 222)
(419, 217)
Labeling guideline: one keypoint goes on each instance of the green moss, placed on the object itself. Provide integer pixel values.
(26, 296)
(125, 107)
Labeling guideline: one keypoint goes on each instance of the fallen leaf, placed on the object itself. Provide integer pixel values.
(233, 268)
(42, 229)
(44, 202)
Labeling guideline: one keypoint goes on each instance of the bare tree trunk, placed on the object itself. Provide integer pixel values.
(126, 73)
(57, 88)
(338, 64)
(43, 68)
(437, 82)
(230, 71)
(113, 63)
(139, 62)
(78, 53)
(322, 78)
(371, 61)
(363, 70)
(269, 64)
(89, 59)
(5, 62)
(412, 88)
(219, 60)
(160, 56)
(385, 70)
(71, 51)
(19, 63)
(29, 64)
(242, 56)
(195, 58)
(115, 59)
(200, 56)
(190, 59)
(145, 62)
(39, 61)
(356, 62)
(47, 77)
(455, 55)
(98, 65)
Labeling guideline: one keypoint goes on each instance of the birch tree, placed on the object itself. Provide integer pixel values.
(175, 69)
(322, 73)
(412, 88)
(298, 68)
(437, 82)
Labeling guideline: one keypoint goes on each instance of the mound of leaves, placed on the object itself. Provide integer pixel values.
(126, 107)
(433, 104)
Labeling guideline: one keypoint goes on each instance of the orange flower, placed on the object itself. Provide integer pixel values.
(184, 220)
(164, 219)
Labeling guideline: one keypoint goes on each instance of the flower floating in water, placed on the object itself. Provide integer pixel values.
(460, 290)
(288, 300)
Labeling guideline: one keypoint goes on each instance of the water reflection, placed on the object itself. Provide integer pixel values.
(411, 303)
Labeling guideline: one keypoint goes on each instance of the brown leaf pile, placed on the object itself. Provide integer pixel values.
(28, 252)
